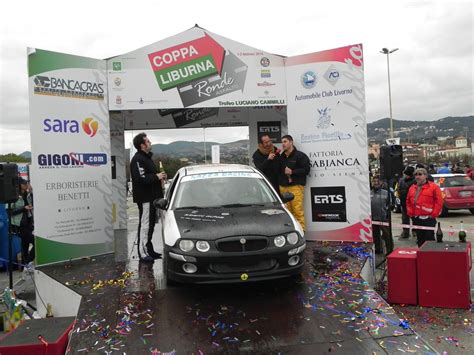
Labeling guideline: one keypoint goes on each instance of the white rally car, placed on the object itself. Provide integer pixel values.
(225, 223)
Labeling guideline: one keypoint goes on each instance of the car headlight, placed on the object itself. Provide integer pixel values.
(202, 246)
(186, 245)
(279, 241)
(292, 238)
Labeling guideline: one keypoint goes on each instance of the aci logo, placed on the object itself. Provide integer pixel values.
(89, 126)
(332, 75)
(116, 66)
(309, 80)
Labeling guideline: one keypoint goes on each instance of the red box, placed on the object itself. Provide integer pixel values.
(24, 339)
(401, 275)
(443, 274)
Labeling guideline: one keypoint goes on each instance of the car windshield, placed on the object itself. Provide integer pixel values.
(455, 181)
(223, 191)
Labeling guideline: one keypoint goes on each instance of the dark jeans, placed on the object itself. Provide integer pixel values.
(27, 238)
(421, 234)
(146, 227)
(382, 233)
(405, 220)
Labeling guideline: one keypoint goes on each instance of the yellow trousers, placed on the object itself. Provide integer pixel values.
(296, 206)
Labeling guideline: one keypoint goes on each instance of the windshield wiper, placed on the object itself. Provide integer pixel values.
(242, 205)
(189, 208)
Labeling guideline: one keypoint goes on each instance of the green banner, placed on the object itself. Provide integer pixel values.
(185, 72)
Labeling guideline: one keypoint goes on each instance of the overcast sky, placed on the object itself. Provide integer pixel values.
(431, 74)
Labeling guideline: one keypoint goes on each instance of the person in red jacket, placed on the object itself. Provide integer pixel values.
(424, 204)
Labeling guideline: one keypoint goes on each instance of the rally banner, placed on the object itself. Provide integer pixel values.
(195, 68)
(327, 119)
(70, 153)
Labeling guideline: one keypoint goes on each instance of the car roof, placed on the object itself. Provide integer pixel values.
(216, 168)
(446, 175)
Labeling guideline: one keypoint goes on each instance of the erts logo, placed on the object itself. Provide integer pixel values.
(57, 125)
(71, 160)
(309, 80)
(76, 89)
(328, 204)
(271, 129)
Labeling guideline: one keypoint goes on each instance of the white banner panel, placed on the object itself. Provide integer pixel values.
(326, 117)
(71, 161)
(195, 68)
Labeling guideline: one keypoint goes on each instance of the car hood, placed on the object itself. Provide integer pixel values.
(214, 223)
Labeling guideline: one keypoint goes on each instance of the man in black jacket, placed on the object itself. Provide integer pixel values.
(266, 158)
(403, 186)
(294, 166)
(146, 187)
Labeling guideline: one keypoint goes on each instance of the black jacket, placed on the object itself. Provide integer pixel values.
(403, 187)
(299, 163)
(269, 168)
(145, 184)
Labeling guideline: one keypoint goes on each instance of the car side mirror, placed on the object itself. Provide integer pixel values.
(161, 203)
(287, 197)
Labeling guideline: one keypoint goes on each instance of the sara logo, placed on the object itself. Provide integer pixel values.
(57, 125)
(90, 126)
(309, 80)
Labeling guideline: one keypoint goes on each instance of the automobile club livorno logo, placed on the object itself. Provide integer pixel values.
(53, 86)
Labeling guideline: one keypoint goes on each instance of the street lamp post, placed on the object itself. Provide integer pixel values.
(388, 52)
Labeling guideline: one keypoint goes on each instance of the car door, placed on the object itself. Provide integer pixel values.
(169, 195)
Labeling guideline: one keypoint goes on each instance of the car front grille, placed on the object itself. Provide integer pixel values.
(241, 244)
(240, 266)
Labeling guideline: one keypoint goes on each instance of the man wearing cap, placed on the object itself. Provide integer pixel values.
(424, 204)
(403, 186)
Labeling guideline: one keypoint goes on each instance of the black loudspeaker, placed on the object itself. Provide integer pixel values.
(391, 161)
(9, 188)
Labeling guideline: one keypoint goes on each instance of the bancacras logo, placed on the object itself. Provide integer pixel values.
(309, 80)
(58, 125)
(71, 160)
(53, 86)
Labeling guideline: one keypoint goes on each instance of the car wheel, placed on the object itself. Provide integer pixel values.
(472, 210)
(444, 211)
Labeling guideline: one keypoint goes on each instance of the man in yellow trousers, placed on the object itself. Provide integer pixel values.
(294, 167)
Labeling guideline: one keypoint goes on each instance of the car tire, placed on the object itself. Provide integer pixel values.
(472, 210)
(444, 212)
